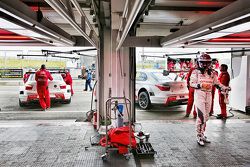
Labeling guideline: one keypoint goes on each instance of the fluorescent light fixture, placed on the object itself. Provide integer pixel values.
(67, 41)
(231, 21)
(238, 28)
(5, 24)
(232, 30)
(57, 37)
(15, 16)
(47, 32)
(212, 35)
(194, 34)
(28, 33)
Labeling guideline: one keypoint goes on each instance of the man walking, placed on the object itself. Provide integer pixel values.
(202, 80)
(42, 76)
(88, 80)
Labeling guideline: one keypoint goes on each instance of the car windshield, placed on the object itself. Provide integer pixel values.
(161, 78)
(56, 77)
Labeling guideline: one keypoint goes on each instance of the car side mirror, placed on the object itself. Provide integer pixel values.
(165, 73)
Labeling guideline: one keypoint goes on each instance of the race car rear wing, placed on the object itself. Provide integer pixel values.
(167, 72)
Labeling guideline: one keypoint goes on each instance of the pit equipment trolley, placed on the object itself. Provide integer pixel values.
(111, 104)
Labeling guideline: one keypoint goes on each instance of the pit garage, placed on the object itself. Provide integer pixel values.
(130, 47)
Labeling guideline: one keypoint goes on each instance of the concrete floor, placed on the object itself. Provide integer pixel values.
(29, 137)
(66, 143)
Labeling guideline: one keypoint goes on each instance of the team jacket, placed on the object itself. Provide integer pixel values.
(68, 79)
(42, 77)
(224, 78)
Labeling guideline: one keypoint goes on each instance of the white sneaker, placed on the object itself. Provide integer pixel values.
(204, 138)
(200, 141)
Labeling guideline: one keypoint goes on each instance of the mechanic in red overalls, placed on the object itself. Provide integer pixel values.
(224, 79)
(190, 95)
(42, 76)
(68, 80)
(26, 76)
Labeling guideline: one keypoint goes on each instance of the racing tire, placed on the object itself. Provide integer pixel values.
(67, 101)
(21, 104)
(144, 100)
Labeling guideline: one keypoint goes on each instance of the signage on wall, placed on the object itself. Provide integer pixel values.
(11, 73)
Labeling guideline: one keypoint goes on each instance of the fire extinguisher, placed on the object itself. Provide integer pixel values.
(95, 120)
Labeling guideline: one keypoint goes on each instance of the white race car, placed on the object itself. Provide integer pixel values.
(58, 90)
(153, 87)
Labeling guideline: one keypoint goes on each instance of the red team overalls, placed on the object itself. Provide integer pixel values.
(42, 77)
(68, 80)
(190, 95)
(224, 79)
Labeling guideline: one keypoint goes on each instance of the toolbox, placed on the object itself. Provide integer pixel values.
(144, 150)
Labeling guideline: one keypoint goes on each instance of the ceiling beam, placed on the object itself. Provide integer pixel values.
(235, 12)
(145, 41)
(144, 8)
(132, 14)
(18, 13)
(59, 8)
(85, 20)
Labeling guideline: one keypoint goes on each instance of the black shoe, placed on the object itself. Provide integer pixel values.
(219, 116)
(187, 115)
(210, 114)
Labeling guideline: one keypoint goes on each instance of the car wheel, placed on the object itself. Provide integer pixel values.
(144, 101)
(21, 104)
(67, 101)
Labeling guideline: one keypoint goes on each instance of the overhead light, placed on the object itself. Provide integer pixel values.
(47, 32)
(5, 24)
(232, 30)
(238, 28)
(231, 21)
(16, 17)
(212, 35)
(194, 34)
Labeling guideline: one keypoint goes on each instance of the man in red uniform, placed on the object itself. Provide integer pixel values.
(190, 95)
(224, 79)
(68, 80)
(42, 76)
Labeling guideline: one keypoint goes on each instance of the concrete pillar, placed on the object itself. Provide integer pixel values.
(115, 71)
(103, 71)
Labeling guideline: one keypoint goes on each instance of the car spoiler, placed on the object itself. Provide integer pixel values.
(167, 72)
(52, 72)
